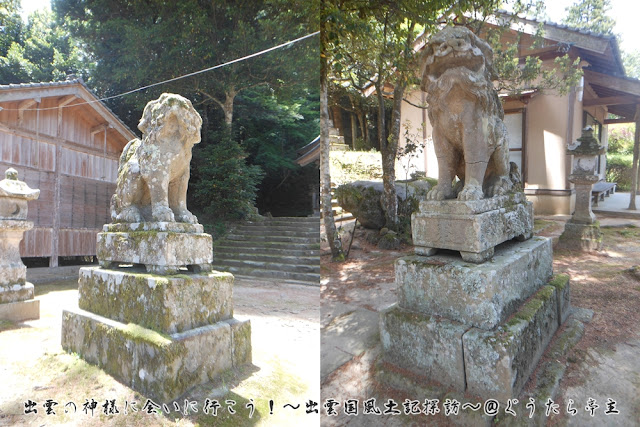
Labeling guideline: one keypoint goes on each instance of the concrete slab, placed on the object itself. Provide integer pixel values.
(348, 335)
(612, 376)
(20, 311)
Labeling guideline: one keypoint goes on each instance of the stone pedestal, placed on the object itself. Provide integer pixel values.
(17, 301)
(161, 334)
(474, 228)
(162, 247)
(478, 328)
(582, 237)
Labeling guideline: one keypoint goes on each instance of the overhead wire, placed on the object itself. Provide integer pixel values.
(244, 58)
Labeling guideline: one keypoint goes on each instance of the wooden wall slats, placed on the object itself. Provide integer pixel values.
(87, 179)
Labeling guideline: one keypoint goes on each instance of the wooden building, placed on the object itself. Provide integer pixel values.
(65, 142)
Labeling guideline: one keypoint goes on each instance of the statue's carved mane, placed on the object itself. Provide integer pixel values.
(153, 172)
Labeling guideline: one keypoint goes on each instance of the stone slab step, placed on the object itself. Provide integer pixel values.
(289, 219)
(307, 278)
(313, 228)
(268, 265)
(258, 256)
(267, 232)
(286, 239)
(284, 250)
(290, 224)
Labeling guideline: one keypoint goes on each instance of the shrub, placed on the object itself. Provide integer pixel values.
(225, 186)
(621, 140)
(619, 170)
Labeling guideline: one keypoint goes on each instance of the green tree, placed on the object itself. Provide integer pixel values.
(632, 63)
(590, 15)
(10, 25)
(136, 43)
(39, 51)
(227, 186)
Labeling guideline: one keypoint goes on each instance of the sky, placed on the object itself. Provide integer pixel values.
(625, 12)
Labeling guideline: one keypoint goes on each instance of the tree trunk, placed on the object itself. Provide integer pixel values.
(636, 155)
(228, 106)
(389, 149)
(354, 130)
(362, 121)
(325, 176)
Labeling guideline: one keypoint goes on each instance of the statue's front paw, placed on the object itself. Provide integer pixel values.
(502, 186)
(163, 214)
(187, 217)
(130, 214)
(438, 193)
(471, 192)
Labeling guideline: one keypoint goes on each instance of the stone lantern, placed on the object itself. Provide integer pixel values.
(16, 294)
(582, 231)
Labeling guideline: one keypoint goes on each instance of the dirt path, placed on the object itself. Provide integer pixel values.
(286, 348)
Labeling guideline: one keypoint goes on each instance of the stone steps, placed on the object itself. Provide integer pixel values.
(255, 231)
(261, 273)
(274, 248)
(271, 238)
(270, 265)
(260, 257)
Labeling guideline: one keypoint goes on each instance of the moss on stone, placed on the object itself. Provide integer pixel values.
(559, 281)
(139, 334)
(529, 310)
(545, 293)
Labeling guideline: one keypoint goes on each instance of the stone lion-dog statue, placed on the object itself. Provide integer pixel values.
(469, 136)
(153, 172)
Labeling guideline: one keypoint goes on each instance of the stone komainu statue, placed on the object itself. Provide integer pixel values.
(153, 173)
(469, 136)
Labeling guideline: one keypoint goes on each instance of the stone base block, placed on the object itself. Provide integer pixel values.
(12, 273)
(19, 311)
(425, 345)
(477, 295)
(498, 363)
(161, 252)
(582, 237)
(563, 294)
(16, 292)
(472, 227)
(164, 303)
(159, 366)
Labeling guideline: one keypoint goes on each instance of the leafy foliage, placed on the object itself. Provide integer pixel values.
(621, 139)
(590, 15)
(620, 156)
(39, 51)
(225, 187)
(619, 170)
(632, 64)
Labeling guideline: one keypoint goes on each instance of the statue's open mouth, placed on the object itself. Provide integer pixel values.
(449, 58)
